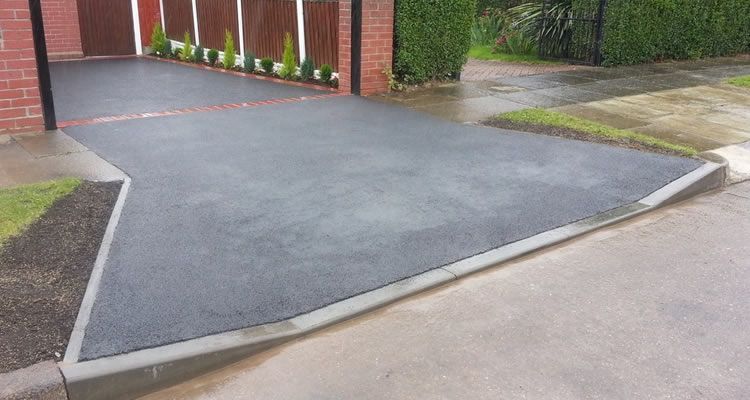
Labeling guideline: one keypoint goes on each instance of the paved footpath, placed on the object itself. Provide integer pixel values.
(655, 308)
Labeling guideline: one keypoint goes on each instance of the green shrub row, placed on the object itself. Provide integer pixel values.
(432, 38)
(161, 47)
(638, 31)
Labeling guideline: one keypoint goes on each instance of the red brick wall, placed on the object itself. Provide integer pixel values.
(345, 46)
(377, 45)
(149, 14)
(20, 104)
(61, 29)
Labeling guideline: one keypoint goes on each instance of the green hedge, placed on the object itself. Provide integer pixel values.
(432, 38)
(638, 31)
(496, 4)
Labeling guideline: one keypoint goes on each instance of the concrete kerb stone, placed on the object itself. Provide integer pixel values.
(134, 374)
(41, 381)
(737, 159)
(73, 350)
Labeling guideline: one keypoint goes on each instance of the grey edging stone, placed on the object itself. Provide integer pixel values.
(130, 375)
(42, 381)
(73, 350)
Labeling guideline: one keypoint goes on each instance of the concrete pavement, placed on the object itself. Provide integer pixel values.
(654, 308)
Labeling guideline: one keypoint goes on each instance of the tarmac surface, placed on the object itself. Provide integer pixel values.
(243, 217)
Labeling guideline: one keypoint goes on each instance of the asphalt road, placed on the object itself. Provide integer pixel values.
(243, 217)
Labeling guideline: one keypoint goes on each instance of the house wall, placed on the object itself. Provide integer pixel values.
(20, 103)
(61, 29)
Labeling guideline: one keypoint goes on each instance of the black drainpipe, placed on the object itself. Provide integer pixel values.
(356, 46)
(42, 65)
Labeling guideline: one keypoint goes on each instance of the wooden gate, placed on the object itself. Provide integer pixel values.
(106, 27)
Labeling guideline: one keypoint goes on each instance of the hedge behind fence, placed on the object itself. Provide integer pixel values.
(639, 31)
(432, 38)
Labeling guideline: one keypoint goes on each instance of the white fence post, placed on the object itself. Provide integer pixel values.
(136, 27)
(195, 24)
(161, 14)
(241, 32)
(301, 30)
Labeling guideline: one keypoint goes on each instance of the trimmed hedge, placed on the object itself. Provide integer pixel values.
(496, 4)
(638, 31)
(432, 38)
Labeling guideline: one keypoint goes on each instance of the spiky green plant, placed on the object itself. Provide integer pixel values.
(159, 41)
(289, 62)
(248, 65)
(307, 69)
(326, 72)
(187, 50)
(230, 58)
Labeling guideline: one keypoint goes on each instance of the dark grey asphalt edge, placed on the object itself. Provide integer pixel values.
(134, 374)
(73, 350)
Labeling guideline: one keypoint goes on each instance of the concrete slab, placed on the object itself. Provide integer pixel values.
(534, 98)
(96, 88)
(52, 155)
(285, 215)
(471, 110)
(48, 144)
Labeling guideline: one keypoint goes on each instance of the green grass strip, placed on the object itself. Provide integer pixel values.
(538, 116)
(486, 53)
(22, 205)
(741, 81)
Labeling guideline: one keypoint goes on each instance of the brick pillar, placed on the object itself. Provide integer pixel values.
(149, 14)
(20, 103)
(61, 29)
(345, 46)
(377, 45)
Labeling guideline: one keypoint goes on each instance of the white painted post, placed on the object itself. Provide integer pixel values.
(301, 30)
(241, 32)
(161, 13)
(195, 24)
(136, 27)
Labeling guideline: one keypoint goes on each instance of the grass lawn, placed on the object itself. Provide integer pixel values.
(22, 205)
(741, 81)
(485, 53)
(538, 116)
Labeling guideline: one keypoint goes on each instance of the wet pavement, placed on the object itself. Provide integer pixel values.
(656, 308)
(623, 97)
(29, 158)
(97, 88)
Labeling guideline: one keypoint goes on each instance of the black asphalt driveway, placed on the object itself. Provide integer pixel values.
(99, 88)
(243, 217)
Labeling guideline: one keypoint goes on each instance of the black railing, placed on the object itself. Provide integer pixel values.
(572, 35)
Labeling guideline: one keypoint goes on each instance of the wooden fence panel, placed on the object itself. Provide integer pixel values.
(106, 27)
(214, 17)
(322, 31)
(265, 24)
(178, 19)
